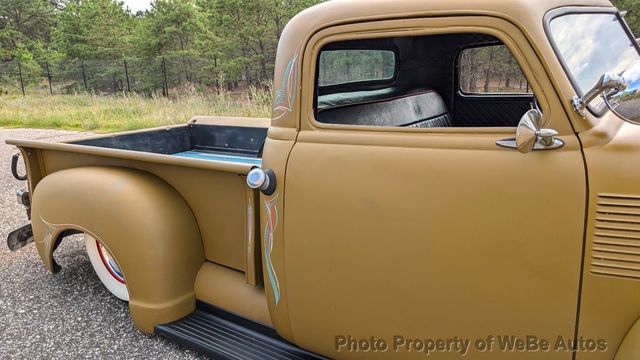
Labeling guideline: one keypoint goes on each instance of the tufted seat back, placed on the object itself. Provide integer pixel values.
(419, 110)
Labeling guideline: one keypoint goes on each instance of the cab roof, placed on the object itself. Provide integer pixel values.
(344, 11)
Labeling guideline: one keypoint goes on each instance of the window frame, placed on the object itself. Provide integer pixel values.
(457, 68)
(353, 85)
(553, 14)
(425, 26)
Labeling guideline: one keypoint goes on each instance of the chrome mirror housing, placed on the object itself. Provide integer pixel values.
(625, 100)
(620, 92)
(609, 82)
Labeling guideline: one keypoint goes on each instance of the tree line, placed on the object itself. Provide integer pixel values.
(207, 41)
(632, 7)
(218, 40)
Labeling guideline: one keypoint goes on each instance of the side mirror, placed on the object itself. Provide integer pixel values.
(531, 135)
(625, 101)
(609, 82)
(620, 92)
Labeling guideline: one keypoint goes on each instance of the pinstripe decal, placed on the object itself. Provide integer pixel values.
(269, 233)
(285, 97)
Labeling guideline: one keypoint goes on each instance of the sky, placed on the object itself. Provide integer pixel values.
(136, 5)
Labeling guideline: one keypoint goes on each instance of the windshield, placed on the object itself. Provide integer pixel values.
(591, 44)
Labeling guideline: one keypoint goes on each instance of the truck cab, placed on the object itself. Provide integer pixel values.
(445, 172)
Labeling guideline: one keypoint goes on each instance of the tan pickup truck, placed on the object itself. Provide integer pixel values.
(439, 178)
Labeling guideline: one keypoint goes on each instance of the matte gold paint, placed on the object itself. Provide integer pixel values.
(416, 232)
(141, 220)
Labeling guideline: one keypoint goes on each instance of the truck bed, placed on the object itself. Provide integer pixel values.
(194, 141)
(204, 160)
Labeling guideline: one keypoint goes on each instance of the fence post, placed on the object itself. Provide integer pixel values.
(49, 77)
(21, 79)
(126, 74)
(165, 88)
(84, 77)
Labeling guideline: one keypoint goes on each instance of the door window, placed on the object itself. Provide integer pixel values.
(490, 70)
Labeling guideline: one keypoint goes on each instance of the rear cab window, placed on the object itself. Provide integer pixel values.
(344, 67)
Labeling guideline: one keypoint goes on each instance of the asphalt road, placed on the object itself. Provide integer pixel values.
(69, 315)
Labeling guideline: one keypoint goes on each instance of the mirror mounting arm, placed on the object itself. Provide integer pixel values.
(608, 81)
(579, 106)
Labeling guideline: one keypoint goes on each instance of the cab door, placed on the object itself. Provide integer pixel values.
(431, 233)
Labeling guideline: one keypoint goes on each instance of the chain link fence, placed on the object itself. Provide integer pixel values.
(163, 76)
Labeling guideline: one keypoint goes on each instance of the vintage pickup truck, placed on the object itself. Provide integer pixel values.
(439, 178)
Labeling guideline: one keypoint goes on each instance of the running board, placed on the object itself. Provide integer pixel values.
(222, 335)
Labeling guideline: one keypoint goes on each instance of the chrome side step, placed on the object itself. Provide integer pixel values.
(221, 335)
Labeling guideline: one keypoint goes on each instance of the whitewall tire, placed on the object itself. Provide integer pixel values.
(106, 267)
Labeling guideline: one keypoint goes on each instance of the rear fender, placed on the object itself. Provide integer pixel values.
(140, 219)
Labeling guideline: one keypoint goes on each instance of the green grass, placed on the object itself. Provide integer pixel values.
(124, 112)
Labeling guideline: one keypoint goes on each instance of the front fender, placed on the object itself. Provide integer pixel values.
(142, 221)
(630, 347)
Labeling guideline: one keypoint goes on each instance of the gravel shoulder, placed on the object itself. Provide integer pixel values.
(69, 315)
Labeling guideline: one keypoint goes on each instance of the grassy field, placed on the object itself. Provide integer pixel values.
(124, 112)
